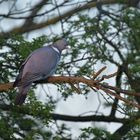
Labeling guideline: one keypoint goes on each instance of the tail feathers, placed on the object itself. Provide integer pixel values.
(22, 95)
(20, 99)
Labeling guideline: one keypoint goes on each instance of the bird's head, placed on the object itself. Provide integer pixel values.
(61, 44)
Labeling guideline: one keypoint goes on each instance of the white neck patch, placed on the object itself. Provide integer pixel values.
(56, 50)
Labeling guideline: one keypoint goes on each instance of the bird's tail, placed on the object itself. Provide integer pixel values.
(20, 99)
(22, 95)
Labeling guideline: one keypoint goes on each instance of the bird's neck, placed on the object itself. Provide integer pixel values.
(56, 49)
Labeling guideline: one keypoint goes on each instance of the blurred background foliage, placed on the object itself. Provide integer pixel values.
(106, 34)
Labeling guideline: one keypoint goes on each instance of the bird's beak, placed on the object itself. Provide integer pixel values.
(68, 47)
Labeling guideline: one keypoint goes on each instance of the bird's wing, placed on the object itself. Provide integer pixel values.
(37, 67)
(28, 79)
(18, 78)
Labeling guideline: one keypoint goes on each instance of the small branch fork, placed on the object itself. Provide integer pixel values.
(94, 82)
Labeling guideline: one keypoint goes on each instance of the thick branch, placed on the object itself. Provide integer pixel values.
(60, 117)
(54, 20)
(89, 82)
(35, 10)
(123, 130)
(118, 84)
(96, 118)
(55, 79)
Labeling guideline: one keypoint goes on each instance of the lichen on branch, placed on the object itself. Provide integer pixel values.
(93, 82)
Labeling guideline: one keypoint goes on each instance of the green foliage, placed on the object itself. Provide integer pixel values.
(132, 19)
(93, 41)
(24, 122)
(95, 134)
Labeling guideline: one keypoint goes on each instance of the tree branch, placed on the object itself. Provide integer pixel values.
(123, 130)
(89, 82)
(62, 117)
(34, 12)
(118, 84)
(96, 118)
(54, 20)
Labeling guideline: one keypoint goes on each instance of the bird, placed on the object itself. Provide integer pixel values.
(39, 65)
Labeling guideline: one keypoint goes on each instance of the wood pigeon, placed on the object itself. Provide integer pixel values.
(39, 65)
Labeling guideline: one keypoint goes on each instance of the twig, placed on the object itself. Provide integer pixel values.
(110, 75)
(75, 88)
(119, 90)
(95, 75)
(93, 84)
(106, 77)
(120, 97)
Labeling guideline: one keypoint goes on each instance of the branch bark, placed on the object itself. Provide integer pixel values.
(70, 118)
(123, 130)
(95, 118)
(89, 82)
(34, 26)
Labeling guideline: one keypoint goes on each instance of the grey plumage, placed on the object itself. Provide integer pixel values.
(40, 64)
